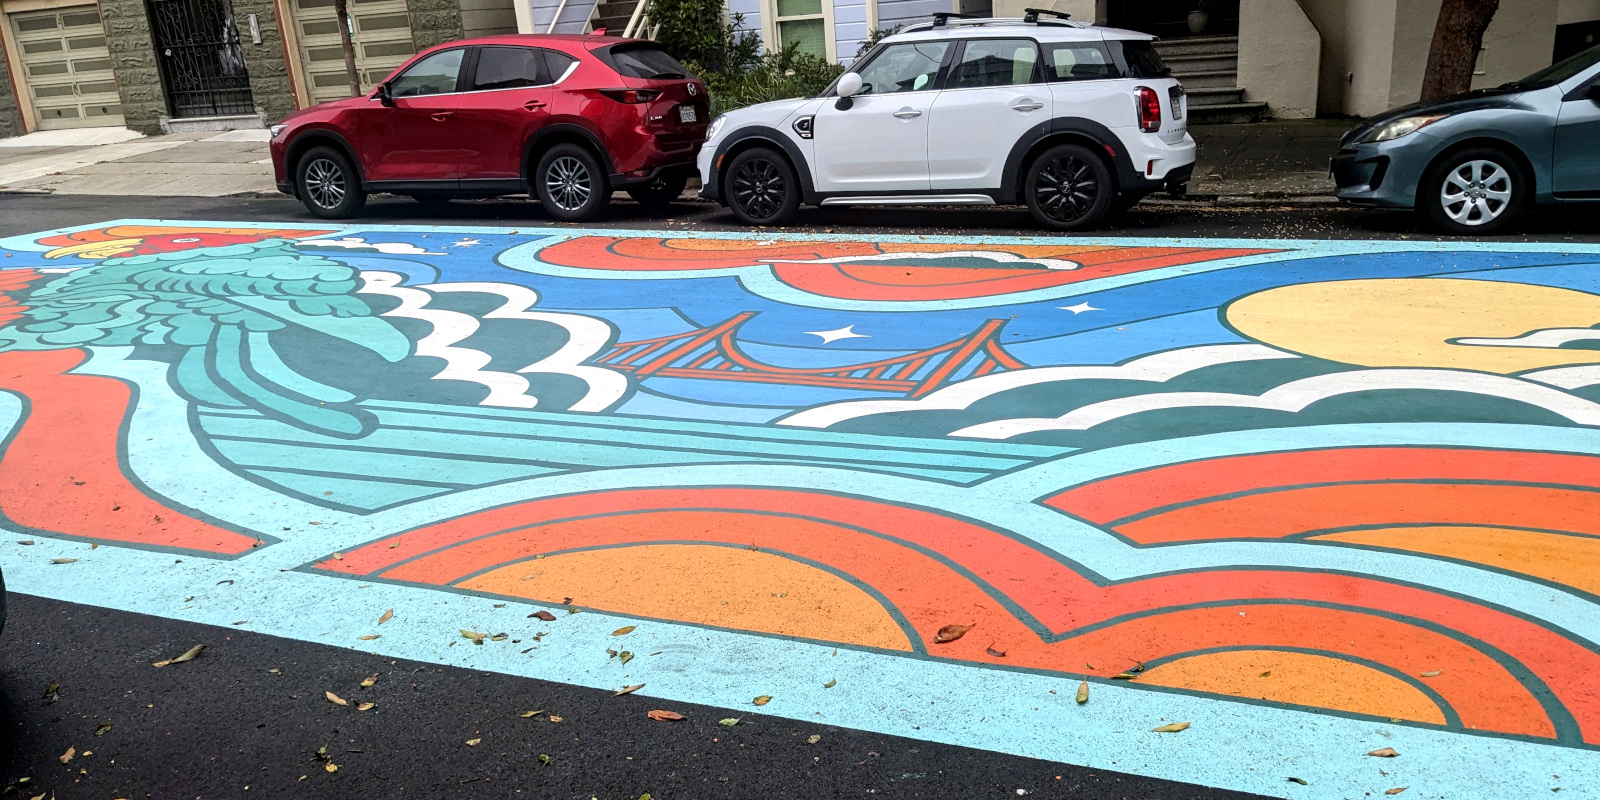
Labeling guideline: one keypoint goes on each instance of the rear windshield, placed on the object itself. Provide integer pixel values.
(1142, 60)
(642, 61)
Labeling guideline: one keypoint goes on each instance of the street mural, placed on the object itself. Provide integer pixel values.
(1313, 498)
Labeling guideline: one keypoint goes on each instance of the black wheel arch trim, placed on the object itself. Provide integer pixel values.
(802, 168)
(1064, 130)
(305, 140)
(563, 128)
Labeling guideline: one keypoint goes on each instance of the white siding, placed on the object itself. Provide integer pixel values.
(906, 12)
(849, 27)
(751, 9)
(574, 18)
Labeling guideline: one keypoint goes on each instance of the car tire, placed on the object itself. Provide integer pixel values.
(659, 192)
(1473, 192)
(571, 184)
(328, 184)
(761, 188)
(1069, 188)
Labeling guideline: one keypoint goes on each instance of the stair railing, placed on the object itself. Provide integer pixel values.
(635, 22)
(557, 18)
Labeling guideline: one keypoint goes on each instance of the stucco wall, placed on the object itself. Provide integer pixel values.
(1081, 10)
(1329, 18)
(10, 114)
(1519, 41)
(1279, 57)
(1368, 55)
(1570, 11)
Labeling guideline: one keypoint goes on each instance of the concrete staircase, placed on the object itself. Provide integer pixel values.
(1208, 67)
(613, 15)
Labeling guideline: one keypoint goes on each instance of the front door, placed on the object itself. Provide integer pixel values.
(880, 143)
(1577, 155)
(507, 102)
(202, 62)
(993, 97)
(417, 138)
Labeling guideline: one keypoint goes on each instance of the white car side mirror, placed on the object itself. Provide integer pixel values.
(849, 84)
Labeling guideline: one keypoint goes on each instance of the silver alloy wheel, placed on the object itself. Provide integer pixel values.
(567, 180)
(1476, 192)
(325, 183)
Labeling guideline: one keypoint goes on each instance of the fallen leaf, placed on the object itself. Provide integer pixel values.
(367, 684)
(554, 718)
(52, 692)
(629, 689)
(62, 560)
(625, 656)
(188, 655)
(1083, 693)
(1171, 727)
(1124, 676)
(1387, 752)
(531, 714)
(950, 633)
(369, 637)
(96, 545)
(473, 742)
(476, 637)
(365, 706)
(1432, 673)
(762, 700)
(499, 637)
(1266, 674)
(1397, 790)
(814, 738)
(67, 756)
(544, 615)
(336, 699)
(729, 722)
(544, 759)
(1301, 781)
(387, 615)
(831, 684)
(993, 652)
(331, 767)
(338, 556)
(102, 729)
(664, 716)
(624, 631)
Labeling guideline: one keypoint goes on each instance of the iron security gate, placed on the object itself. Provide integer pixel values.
(201, 60)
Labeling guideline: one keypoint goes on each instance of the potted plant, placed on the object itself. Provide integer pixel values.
(1200, 16)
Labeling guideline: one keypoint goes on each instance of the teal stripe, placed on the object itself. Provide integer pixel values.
(368, 464)
(229, 349)
(265, 361)
(194, 379)
(750, 432)
(349, 491)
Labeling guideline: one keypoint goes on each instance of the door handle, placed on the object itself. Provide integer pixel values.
(1027, 105)
(907, 113)
(533, 105)
(441, 116)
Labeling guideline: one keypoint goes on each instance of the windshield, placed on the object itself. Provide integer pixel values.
(643, 61)
(1559, 71)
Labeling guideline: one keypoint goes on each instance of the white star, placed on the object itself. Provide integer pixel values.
(829, 337)
(1079, 308)
(466, 243)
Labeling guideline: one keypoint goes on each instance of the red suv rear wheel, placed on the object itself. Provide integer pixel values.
(571, 184)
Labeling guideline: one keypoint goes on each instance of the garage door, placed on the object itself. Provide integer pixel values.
(382, 42)
(67, 68)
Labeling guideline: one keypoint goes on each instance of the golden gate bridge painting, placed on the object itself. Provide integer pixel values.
(712, 353)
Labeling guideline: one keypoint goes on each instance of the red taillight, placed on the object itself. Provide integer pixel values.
(631, 96)
(1149, 105)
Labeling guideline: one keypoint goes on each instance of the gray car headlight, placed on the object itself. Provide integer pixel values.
(716, 127)
(1405, 126)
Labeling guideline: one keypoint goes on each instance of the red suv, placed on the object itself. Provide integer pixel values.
(566, 118)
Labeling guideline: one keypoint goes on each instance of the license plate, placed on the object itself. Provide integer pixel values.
(687, 114)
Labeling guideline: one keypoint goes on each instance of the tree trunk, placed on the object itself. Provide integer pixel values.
(1456, 40)
(347, 40)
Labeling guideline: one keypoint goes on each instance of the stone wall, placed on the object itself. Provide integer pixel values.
(270, 85)
(133, 54)
(10, 114)
(434, 22)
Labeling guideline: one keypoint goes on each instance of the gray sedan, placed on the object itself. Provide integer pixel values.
(1472, 161)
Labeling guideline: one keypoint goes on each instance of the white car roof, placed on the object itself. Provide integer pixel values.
(1046, 31)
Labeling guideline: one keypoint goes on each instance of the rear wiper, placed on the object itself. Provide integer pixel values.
(667, 75)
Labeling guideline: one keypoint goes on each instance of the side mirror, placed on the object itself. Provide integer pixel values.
(849, 85)
(384, 95)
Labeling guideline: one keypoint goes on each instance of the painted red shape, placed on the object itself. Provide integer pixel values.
(1106, 501)
(71, 433)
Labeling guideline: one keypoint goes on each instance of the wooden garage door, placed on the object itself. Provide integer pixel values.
(382, 41)
(67, 68)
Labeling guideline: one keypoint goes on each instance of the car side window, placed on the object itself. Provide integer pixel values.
(996, 62)
(509, 68)
(1078, 61)
(557, 64)
(435, 74)
(909, 67)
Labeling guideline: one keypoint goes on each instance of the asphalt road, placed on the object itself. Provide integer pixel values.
(26, 213)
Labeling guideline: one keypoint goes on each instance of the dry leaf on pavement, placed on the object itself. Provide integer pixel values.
(629, 689)
(1396, 790)
(102, 729)
(473, 742)
(331, 767)
(664, 716)
(625, 656)
(950, 633)
(369, 637)
(531, 714)
(554, 718)
(544, 615)
(1387, 752)
(476, 637)
(762, 700)
(831, 684)
(62, 560)
(729, 722)
(544, 759)
(1171, 727)
(336, 699)
(365, 706)
(67, 756)
(387, 615)
(814, 738)
(1432, 673)
(1301, 781)
(1083, 693)
(624, 631)
(188, 655)
(367, 684)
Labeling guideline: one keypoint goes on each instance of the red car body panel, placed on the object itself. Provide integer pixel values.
(481, 141)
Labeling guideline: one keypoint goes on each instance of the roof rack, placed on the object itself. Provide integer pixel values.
(1031, 15)
(945, 19)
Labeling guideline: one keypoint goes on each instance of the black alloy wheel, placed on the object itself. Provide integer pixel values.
(570, 184)
(1069, 188)
(659, 192)
(328, 184)
(761, 188)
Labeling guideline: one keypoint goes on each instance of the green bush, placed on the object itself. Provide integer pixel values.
(774, 76)
(729, 58)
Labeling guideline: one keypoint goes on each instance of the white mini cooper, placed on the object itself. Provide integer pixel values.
(1073, 120)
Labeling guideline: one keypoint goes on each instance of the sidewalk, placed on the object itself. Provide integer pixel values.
(116, 161)
(1267, 161)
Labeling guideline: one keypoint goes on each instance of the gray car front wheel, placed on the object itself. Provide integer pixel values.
(1473, 192)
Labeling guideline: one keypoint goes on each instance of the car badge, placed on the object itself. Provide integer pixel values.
(692, 90)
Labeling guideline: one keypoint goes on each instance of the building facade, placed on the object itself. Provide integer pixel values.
(156, 65)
